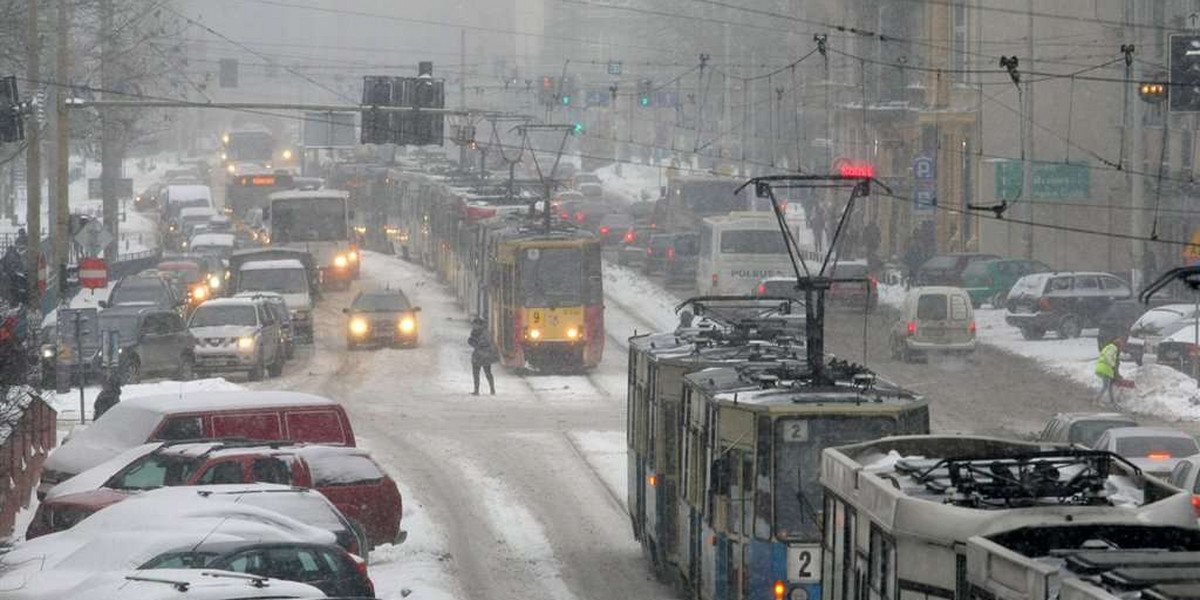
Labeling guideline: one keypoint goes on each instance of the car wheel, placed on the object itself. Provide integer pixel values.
(187, 368)
(1070, 327)
(1032, 333)
(131, 371)
(999, 299)
(256, 373)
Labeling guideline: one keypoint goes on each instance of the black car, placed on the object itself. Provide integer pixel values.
(675, 255)
(947, 269)
(146, 289)
(152, 342)
(1063, 302)
(384, 317)
(326, 567)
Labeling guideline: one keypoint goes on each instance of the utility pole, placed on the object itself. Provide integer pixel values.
(1137, 156)
(33, 156)
(1027, 125)
(61, 231)
(110, 159)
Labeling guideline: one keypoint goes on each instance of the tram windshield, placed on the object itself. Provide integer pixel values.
(552, 277)
(798, 445)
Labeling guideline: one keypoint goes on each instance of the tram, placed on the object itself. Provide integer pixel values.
(953, 517)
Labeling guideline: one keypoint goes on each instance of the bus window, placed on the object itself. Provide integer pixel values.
(798, 446)
(552, 277)
(310, 220)
(752, 241)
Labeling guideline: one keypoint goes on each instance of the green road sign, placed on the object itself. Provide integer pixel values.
(1051, 181)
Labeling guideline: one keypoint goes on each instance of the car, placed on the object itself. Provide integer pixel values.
(220, 245)
(220, 224)
(1154, 450)
(212, 269)
(586, 177)
(1180, 350)
(1082, 428)
(183, 584)
(287, 329)
(193, 216)
(1066, 302)
(613, 226)
(237, 334)
(152, 341)
(1156, 325)
(990, 280)
(326, 567)
(348, 477)
(675, 255)
(947, 269)
(631, 249)
(1116, 320)
(243, 414)
(1185, 477)
(288, 278)
(384, 317)
(126, 535)
(187, 278)
(147, 287)
(149, 198)
(592, 191)
(933, 320)
(864, 295)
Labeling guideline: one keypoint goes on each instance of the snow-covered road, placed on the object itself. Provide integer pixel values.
(518, 495)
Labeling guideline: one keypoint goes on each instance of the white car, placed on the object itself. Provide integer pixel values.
(237, 334)
(213, 244)
(933, 320)
(288, 278)
(1154, 326)
(1154, 450)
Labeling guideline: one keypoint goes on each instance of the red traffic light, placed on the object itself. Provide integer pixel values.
(858, 170)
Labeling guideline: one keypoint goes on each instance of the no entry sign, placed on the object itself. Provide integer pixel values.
(93, 273)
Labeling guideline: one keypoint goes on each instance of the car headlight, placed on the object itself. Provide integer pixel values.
(48, 352)
(340, 261)
(353, 256)
(232, 169)
(287, 155)
(535, 334)
(358, 326)
(246, 343)
(199, 293)
(572, 334)
(407, 325)
(214, 282)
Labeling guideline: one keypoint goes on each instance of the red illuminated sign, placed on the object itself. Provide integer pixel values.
(261, 181)
(859, 170)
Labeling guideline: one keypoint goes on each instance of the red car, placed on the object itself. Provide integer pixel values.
(348, 477)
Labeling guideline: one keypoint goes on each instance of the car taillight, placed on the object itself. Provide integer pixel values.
(1196, 505)
(360, 565)
(912, 328)
(1043, 304)
(971, 327)
(762, 289)
(604, 230)
(670, 254)
(630, 236)
(566, 216)
(715, 279)
(579, 217)
(1159, 456)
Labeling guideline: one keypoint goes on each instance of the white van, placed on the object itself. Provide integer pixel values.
(740, 249)
(934, 319)
(288, 278)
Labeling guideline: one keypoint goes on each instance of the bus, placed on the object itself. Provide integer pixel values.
(904, 516)
(691, 198)
(251, 190)
(254, 149)
(740, 249)
(317, 222)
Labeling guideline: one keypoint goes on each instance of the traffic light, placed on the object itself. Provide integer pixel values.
(1185, 73)
(566, 99)
(1152, 91)
(645, 91)
(12, 127)
(547, 92)
(578, 128)
(377, 126)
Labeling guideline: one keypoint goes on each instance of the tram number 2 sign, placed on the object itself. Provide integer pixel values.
(804, 563)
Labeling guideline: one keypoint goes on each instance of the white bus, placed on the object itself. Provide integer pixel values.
(742, 248)
(317, 222)
(899, 512)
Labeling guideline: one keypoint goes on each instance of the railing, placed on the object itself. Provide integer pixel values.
(22, 453)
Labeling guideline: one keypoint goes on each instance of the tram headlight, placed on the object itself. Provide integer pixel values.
(407, 325)
(800, 593)
(780, 588)
(340, 261)
(358, 326)
(535, 334)
(572, 334)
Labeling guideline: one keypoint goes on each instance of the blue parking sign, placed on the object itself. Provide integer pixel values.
(924, 199)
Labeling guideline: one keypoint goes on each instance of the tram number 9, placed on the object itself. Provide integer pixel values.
(804, 563)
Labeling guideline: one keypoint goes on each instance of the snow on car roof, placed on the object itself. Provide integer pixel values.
(197, 211)
(1119, 432)
(224, 400)
(213, 239)
(270, 265)
(95, 477)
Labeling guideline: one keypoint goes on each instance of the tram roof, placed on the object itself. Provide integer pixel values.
(780, 383)
(311, 194)
(694, 345)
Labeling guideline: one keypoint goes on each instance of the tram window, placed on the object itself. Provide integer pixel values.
(552, 276)
(882, 561)
(762, 481)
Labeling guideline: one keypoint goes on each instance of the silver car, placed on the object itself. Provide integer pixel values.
(1155, 450)
(237, 334)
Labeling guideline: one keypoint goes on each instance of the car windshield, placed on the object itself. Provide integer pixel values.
(1087, 432)
(552, 277)
(380, 302)
(281, 281)
(1139, 446)
(851, 271)
(209, 315)
(140, 290)
(154, 471)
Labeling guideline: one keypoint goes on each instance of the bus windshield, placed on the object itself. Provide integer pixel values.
(552, 277)
(709, 197)
(799, 498)
(251, 146)
(752, 241)
(308, 220)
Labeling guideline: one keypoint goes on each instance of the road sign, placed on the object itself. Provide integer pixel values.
(93, 273)
(94, 238)
(924, 198)
(124, 189)
(614, 68)
(924, 169)
(1051, 181)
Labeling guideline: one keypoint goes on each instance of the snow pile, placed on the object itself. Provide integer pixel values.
(67, 404)
(1074, 358)
(640, 296)
(1162, 391)
(637, 182)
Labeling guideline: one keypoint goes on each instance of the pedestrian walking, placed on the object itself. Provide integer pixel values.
(483, 354)
(1108, 368)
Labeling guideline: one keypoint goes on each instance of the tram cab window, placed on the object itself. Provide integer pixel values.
(798, 447)
(552, 277)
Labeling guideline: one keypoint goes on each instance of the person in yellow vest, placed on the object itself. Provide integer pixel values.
(1108, 368)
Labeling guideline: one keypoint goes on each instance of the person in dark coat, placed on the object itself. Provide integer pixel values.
(110, 396)
(483, 354)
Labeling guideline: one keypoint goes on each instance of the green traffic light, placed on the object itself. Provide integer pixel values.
(578, 128)
(566, 100)
(645, 101)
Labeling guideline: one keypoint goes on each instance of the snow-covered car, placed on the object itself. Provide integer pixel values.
(1154, 326)
(287, 328)
(220, 245)
(324, 566)
(258, 415)
(933, 320)
(1154, 450)
(128, 534)
(182, 584)
(1179, 349)
(191, 217)
(237, 334)
(348, 477)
